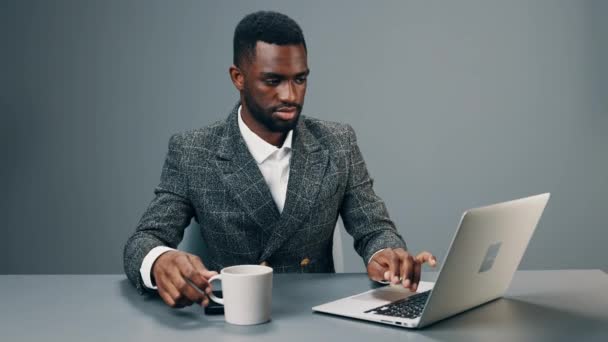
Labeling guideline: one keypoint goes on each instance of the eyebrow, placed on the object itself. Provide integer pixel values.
(275, 75)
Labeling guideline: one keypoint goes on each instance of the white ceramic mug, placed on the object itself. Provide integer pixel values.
(247, 293)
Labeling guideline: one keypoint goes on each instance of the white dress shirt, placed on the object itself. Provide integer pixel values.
(272, 161)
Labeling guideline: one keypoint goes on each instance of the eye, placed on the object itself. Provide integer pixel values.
(301, 80)
(272, 81)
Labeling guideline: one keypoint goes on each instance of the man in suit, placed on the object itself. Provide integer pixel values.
(266, 185)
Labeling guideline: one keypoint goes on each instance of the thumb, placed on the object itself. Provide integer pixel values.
(200, 267)
(377, 272)
(208, 274)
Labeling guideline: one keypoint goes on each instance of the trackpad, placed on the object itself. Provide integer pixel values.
(389, 294)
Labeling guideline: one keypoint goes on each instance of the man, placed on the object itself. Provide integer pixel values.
(266, 185)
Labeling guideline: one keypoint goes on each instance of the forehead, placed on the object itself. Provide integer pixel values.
(281, 59)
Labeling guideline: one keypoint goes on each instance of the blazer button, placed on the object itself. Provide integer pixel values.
(265, 263)
(304, 262)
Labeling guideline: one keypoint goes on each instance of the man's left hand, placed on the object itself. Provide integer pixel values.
(398, 265)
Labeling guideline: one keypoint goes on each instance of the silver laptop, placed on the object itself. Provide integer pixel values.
(480, 263)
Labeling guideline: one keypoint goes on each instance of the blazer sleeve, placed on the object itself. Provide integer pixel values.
(364, 214)
(165, 219)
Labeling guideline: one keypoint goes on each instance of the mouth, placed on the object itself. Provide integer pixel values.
(286, 113)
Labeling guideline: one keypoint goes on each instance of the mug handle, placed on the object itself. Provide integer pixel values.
(211, 295)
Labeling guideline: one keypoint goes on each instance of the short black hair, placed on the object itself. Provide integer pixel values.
(267, 26)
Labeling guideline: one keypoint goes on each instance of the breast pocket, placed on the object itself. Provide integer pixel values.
(331, 184)
(334, 179)
(327, 192)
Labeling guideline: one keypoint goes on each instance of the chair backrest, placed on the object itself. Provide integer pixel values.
(338, 247)
(193, 243)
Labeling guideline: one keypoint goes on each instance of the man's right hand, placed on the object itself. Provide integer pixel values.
(172, 269)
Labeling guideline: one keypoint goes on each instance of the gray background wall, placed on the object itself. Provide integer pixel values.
(456, 104)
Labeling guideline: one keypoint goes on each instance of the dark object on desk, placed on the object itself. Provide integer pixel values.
(215, 308)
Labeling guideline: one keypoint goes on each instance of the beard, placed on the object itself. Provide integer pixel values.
(265, 116)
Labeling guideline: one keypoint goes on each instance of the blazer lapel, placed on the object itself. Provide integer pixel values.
(307, 167)
(240, 173)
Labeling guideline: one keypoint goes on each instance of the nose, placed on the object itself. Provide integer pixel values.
(287, 92)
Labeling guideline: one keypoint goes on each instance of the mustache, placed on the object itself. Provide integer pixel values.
(285, 106)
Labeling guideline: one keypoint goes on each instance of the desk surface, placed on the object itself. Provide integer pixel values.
(539, 306)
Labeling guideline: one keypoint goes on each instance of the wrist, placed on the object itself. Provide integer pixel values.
(148, 264)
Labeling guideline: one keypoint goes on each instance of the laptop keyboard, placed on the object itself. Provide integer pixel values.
(410, 307)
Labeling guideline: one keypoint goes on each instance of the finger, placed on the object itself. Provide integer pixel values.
(179, 298)
(169, 293)
(199, 266)
(392, 261)
(190, 291)
(426, 257)
(382, 259)
(187, 294)
(195, 283)
(165, 295)
(403, 257)
(433, 261)
(192, 270)
(416, 276)
(407, 266)
(376, 272)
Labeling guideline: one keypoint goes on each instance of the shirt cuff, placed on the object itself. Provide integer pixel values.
(384, 282)
(146, 265)
(373, 255)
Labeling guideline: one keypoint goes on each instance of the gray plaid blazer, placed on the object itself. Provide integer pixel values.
(210, 175)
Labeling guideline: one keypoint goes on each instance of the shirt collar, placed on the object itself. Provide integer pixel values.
(259, 148)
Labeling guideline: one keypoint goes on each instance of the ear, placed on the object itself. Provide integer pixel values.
(237, 77)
